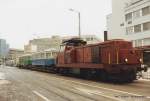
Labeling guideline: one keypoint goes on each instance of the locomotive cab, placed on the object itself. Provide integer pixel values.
(67, 50)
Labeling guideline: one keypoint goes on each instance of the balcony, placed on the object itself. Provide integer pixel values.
(135, 3)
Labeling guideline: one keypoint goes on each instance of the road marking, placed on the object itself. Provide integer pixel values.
(91, 92)
(119, 91)
(40, 95)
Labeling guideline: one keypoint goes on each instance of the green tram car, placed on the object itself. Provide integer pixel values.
(25, 61)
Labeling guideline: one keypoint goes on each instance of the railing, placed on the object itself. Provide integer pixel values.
(134, 2)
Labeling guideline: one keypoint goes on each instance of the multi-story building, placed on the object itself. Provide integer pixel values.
(41, 44)
(30, 48)
(4, 48)
(130, 20)
(14, 53)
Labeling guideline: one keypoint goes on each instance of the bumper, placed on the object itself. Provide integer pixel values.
(123, 68)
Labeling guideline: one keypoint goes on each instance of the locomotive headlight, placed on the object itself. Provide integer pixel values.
(141, 60)
(126, 60)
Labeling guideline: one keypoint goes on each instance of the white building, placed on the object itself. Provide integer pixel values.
(41, 44)
(130, 20)
(91, 39)
(14, 53)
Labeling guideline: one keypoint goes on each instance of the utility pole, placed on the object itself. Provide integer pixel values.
(79, 23)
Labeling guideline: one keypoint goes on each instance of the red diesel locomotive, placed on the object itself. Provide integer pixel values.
(110, 60)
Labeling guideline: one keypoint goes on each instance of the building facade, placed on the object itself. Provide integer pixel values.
(14, 53)
(130, 20)
(4, 48)
(30, 48)
(41, 44)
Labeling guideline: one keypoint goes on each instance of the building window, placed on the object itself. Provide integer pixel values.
(137, 28)
(130, 30)
(146, 26)
(122, 24)
(136, 14)
(128, 16)
(129, 22)
(88, 39)
(146, 10)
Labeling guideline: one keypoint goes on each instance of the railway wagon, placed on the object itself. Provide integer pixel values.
(25, 61)
(111, 60)
(44, 60)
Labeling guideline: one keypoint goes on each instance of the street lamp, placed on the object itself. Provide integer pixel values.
(79, 26)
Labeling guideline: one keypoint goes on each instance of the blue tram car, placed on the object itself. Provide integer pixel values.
(44, 60)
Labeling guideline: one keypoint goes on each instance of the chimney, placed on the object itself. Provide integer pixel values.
(105, 36)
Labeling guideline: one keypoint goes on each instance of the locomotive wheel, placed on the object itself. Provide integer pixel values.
(103, 75)
(63, 71)
(127, 77)
(86, 73)
(132, 76)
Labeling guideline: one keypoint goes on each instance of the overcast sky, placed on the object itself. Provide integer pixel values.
(22, 20)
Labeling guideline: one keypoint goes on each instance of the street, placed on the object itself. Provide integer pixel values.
(26, 85)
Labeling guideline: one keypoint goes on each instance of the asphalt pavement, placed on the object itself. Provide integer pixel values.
(26, 85)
